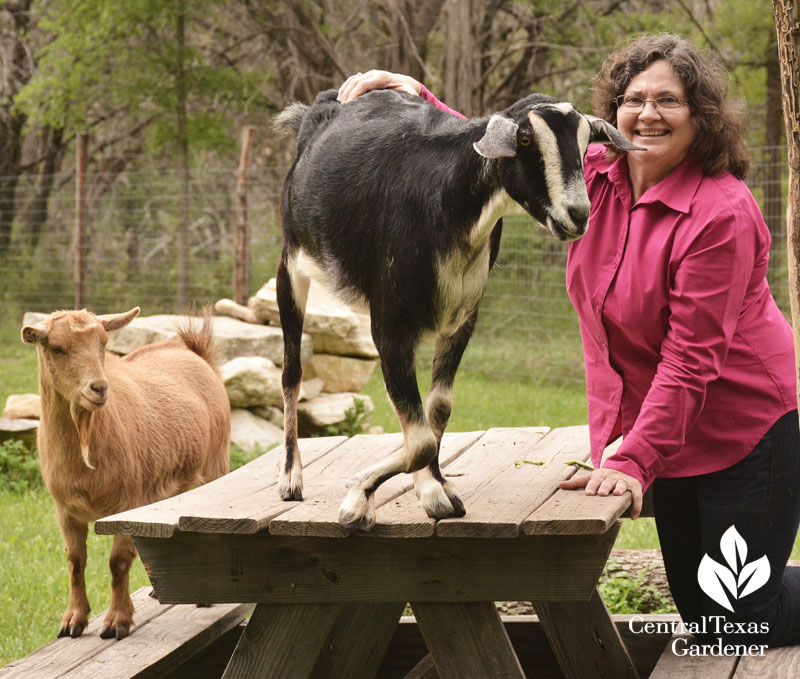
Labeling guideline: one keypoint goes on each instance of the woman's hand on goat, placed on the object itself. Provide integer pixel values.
(360, 83)
(605, 482)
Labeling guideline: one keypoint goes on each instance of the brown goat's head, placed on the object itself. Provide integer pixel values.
(71, 348)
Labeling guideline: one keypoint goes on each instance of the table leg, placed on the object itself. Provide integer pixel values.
(467, 640)
(584, 639)
(282, 640)
(358, 641)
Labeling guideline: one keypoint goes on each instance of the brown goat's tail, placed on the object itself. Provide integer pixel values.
(200, 340)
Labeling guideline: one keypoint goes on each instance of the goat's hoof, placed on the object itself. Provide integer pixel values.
(458, 506)
(117, 632)
(357, 511)
(292, 494)
(73, 631)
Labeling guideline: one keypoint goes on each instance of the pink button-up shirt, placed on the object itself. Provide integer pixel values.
(687, 354)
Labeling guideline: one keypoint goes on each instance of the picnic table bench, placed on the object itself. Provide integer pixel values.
(328, 603)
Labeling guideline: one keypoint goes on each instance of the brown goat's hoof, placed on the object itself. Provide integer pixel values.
(119, 632)
(73, 631)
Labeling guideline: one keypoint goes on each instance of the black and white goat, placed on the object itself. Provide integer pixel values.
(397, 206)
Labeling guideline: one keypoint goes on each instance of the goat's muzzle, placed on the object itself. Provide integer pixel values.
(95, 394)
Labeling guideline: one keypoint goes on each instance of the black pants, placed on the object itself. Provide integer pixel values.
(760, 498)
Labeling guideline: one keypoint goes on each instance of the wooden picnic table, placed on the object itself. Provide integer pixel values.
(328, 603)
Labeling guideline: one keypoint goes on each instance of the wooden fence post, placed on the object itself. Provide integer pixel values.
(787, 22)
(241, 267)
(81, 146)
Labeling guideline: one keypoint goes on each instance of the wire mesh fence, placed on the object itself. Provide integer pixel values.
(527, 328)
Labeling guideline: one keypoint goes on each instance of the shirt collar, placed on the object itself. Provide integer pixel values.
(676, 190)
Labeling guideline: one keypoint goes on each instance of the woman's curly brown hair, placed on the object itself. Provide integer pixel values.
(719, 142)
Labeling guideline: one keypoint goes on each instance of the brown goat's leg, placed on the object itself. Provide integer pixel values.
(119, 618)
(76, 617)
(292, 292)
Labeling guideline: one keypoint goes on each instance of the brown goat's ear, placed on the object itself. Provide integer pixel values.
(33, 334)
(117, 321)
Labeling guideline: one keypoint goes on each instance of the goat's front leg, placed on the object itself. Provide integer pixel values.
(438, 495)
(419, 441)
(290, 480)
(76, 617)
(119, 618)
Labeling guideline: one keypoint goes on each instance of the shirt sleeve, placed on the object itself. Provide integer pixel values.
(428, 96)
(705, 299)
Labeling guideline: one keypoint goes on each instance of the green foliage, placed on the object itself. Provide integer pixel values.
(107, 57)
(625, 594)
(241, 456)
(356, 421)
(19, 467)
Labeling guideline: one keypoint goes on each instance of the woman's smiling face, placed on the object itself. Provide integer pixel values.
(667, 134)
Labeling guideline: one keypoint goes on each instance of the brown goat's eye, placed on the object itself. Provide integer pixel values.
(58, 351)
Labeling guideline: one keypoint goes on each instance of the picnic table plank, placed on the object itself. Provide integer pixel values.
(573, 512)
(161, 519)
(318, 515)
(63, 655)
(183, 631)
(585, 625)
(358, 641)
(282, 641)
(404, 516)
(467, 640)
(777, 663)
(503, 485)
(671, 666)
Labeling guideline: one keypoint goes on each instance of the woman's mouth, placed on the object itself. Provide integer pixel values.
(651, 133)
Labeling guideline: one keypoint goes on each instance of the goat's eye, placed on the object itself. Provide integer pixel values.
(524, 140)
(58, 351)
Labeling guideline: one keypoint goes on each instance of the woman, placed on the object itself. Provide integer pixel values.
(687, 355)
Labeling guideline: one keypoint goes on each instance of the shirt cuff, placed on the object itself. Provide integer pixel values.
(638, 459)
(428, 96)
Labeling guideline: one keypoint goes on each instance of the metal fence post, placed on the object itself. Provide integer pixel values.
(241, 266)
(81, 145)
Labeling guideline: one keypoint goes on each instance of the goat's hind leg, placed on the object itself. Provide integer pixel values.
(438, 495)
(292, 293)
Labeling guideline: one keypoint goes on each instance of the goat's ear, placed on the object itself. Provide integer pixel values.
(605, 133)
(500, 138)
(33, 334)
(117, 321)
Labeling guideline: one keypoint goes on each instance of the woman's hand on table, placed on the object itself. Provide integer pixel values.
(606, 482)
(360, 83)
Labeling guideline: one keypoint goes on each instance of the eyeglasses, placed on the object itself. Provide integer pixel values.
(632, 103)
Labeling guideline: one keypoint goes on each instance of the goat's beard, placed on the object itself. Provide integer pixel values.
(83, 423)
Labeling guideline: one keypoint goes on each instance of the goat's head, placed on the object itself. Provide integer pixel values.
(539, 144)
(71, 346)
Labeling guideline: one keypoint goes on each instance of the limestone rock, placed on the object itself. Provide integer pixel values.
(249, 430)
(341, 373)
(326, 410)
(252, 381)
(311, 388)
(227, 307)
(22, 430)
(232, 337)
(331, 323)
(271, 414)
(23, 407)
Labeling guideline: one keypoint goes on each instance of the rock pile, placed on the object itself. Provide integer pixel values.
(337, 353)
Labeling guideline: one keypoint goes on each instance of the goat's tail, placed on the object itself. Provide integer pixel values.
(290, 118)
(200, 340)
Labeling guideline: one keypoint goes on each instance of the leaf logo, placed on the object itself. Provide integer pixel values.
(739, 578)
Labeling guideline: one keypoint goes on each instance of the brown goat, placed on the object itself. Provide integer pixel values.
(118, 433)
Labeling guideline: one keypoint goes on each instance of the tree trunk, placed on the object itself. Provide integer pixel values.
(462, 56)
(774, 138)
(787, 20)
(182, 293)
(36, 210)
